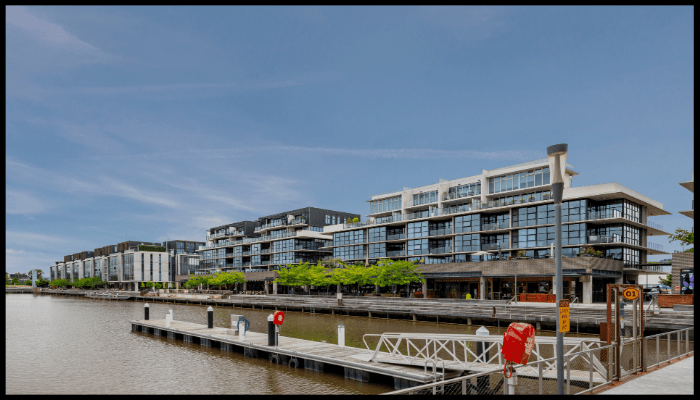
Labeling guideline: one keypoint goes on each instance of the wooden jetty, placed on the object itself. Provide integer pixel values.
(351, 362)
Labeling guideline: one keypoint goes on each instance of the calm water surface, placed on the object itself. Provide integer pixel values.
(72, 345)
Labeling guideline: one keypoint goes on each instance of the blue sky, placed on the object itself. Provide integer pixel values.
(155, 123)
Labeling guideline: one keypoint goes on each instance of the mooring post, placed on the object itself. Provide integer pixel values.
(145, 311)
(482, 382)
(241, 330)
(168, 317)
(210, 317)
(341, 335)
(270, 330)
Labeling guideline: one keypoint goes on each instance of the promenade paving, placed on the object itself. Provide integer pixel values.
(676, 378)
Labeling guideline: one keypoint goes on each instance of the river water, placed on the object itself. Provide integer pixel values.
(74, 345)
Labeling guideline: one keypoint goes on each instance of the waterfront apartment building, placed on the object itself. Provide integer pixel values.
(127, 264)
(289, 237)
(683, 264)
(457, 228)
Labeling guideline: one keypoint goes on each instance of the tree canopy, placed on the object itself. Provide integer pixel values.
(400, 272)
(686, 238)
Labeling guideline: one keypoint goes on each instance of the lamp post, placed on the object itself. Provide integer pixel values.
(557, 164)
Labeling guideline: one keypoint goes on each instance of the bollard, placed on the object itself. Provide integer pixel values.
(483, 383)
(168, 318)
(145, 311)
(241, 330)
(341, 335)
(210, 318)
(270, 330)
(510, 383)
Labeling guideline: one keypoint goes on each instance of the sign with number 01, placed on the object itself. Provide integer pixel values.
(630, 293)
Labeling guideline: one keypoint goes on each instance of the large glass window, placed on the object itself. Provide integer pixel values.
(520, 180)
(377, 250)
(190, 248)
(350, 237)
(377, 234)
(128, 267)
(417, 229)
(113, 265)
(469, 189)
(440, 246)
(630, 257)
(416, 247)
(143, 269)
(348, 252)
(468, 223)
(86, 269)
(385, 205)
(160, 279)
(425, 198)
(467, 243)
(440, 228)
(150, 278)
(491, 242)
(395, 233)
(75, 271)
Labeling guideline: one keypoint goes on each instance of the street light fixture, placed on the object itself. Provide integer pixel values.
(557, 165)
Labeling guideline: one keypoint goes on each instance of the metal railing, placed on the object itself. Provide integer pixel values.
(586, 367)
(655, 246)
(453, 195)
(440, 232)
(492, 227)
(655, 226)
(604, 239)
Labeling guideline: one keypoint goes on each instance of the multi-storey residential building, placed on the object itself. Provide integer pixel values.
(683, 264)
(505, 214)
(289, 237)
(127, 264)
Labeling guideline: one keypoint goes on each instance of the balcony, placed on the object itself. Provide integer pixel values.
(492, 246)
(440, 250)
(654, 246)
(264, 251)
(455, 196)
(420, 202)
(603, 214)
(396, 237)
(655, 226)
(395, 253)
(596, 239)
(440, 232)
(496, 226)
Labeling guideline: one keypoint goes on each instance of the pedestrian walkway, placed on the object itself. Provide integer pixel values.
(676, 378)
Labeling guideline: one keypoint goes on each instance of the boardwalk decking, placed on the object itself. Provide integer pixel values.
(309, 354)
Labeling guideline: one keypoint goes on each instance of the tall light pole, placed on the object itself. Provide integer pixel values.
(557, 164)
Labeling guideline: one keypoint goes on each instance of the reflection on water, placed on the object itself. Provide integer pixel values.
(75, 345)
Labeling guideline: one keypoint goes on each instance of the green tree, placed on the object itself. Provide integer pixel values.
(299, 275)
(401, 272)
(15, 281)
(355, 274)
(355, 219)
(666, 281)
(686, 238)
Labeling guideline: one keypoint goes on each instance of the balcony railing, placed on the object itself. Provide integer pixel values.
(264, 251)
(396, 237)
(493, 227)
(246, 264)
(454, 195)
(276, 223)
(440, 250)
(439, 232)
(603, 214)
(655, 246)
(395, 253)
(411, 203)
(491, 246)
(596, 239)
(655, 226)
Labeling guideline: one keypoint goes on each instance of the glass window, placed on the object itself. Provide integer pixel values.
(417, 229)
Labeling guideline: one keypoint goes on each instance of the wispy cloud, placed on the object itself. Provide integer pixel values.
(23, 203)
(52, 34)
(515, 155)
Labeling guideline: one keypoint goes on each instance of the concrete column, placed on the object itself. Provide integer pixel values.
(554, 285)
(274, 287)
(587, 294)
(482, 284)
(425, 288)
(267, 287)
(338, 289)
(376, 288)
(245, 286)
(619, 281)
